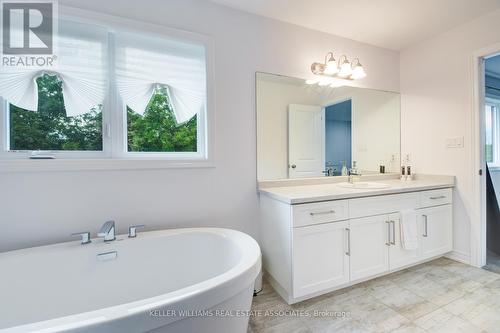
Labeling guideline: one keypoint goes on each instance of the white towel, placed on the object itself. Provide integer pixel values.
(408, 227)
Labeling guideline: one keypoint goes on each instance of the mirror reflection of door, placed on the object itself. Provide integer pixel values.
(305, 141)
(338, 129)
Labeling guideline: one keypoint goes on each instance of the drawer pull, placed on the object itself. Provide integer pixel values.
(393, 242)
(331, 211)
(438, 197)
(388, 243)
(348, 253)
(425, 226)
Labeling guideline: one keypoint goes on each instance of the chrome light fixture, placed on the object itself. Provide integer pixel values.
(342, 69)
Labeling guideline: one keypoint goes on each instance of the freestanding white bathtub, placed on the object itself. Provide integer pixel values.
(181, 280)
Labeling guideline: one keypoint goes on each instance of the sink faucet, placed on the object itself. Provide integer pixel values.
(107, 231)
(353, 172)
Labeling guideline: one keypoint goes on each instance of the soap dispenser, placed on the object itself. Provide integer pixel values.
(409, 175)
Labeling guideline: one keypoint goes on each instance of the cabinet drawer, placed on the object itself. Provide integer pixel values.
(385, 204)
(435, 197)
(320, 212)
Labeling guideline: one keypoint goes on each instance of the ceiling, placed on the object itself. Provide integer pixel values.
(493, 65)
(392, 24)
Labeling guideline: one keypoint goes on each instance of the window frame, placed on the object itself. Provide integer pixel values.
(495, 132)
(115, 154)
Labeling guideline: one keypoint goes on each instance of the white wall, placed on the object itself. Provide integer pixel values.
(40, 208)
(436, 86)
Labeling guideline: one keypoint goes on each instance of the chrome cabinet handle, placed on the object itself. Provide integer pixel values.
(438, 197)
(425, 226)
(388, 243)
(393, 242)
(132, 230)
(348, 241)
(84, 237)
(331, 211)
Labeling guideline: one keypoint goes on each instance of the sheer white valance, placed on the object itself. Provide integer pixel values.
(144, 63)
(80, 65)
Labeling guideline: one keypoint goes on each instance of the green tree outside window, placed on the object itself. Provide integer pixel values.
(50, 129)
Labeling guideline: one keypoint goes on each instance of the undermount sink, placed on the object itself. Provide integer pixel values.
(364, 185)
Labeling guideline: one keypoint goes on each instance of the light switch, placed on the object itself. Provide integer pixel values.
(455, 142)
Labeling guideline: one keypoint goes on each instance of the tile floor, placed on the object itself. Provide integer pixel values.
(439, 296)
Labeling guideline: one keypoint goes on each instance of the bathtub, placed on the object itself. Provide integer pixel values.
(180, 280)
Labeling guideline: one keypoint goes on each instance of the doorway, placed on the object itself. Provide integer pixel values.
(492, 160)
(338, 137)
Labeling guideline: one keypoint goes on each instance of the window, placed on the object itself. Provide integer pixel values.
(492, 140)
(113, 95)
(157, 130)
(50, 128)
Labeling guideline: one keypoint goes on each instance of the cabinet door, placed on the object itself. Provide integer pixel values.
(320, 259)
(436, 228)
(399, 257)
(369, 251)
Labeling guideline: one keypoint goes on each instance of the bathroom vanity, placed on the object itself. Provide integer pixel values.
(319, 237)
(320, 232)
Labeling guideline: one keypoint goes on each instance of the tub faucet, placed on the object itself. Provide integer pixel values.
(107, 231)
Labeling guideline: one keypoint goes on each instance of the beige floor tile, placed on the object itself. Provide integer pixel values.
(488, 319)
(434, 292)
(439, 296)
(409, 328)
(405, 302)
(340, 326)
(291, 325)
(444, 321)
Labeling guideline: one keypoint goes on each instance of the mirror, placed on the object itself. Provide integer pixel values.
(315, 131)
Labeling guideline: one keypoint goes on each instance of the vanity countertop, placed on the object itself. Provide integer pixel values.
(299, 194)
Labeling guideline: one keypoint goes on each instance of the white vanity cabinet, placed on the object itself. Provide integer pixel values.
(399, 256)
(320, 257)
(369, 253)
(435, 224)
(313, 248)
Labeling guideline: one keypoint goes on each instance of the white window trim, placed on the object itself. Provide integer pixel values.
(495, 133)
(114, 155)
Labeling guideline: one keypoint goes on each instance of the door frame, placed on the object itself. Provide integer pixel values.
(335, 102)
(478, 160)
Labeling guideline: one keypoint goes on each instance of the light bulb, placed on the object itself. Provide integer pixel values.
(358, 72)
(331, 66)
(345, 69)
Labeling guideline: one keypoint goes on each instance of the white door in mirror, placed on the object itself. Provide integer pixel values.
(306, 144)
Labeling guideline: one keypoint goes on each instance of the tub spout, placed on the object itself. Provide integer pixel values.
(107, 231)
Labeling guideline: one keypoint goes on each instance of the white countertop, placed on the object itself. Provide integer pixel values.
(298, 194)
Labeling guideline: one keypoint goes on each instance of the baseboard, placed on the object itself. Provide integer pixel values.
(459, 256)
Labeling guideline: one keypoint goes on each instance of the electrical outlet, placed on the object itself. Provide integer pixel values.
(455, 142)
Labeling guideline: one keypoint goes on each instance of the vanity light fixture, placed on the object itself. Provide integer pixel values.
(331, 68)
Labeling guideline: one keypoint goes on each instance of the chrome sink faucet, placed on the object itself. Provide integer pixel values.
(107, 231)
(353, 172)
